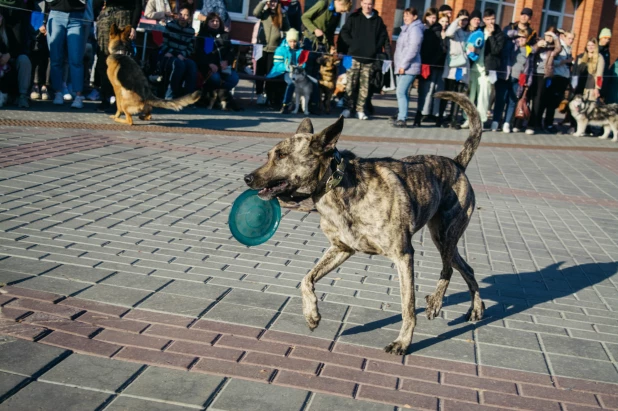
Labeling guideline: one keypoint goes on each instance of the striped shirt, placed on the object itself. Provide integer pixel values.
(178, 40)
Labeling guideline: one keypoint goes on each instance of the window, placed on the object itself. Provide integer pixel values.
(504, 10)
(559, 14)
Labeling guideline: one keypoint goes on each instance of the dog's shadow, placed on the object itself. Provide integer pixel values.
(511, 294)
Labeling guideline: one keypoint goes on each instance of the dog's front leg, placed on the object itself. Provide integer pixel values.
(297, 101)
(405, 269)
(581, 128)
(332, 259)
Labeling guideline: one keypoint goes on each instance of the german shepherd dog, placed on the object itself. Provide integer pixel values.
(375, 206)
(133, 94)
(328, 79)
(590, 113)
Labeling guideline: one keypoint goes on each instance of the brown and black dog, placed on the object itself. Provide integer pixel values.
(133, 94)
(375, 206)
(329, 64)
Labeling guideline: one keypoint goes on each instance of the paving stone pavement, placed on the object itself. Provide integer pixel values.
(123, 288)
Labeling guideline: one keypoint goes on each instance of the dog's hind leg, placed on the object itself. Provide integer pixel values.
(614, 127)
(606, 130)
(475, 313)
(445, 247)
(332, 259)
(405, 269)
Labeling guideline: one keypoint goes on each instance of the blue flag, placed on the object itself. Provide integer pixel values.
(36, 20)
(347, 62)
(209, 45)
(458, 74)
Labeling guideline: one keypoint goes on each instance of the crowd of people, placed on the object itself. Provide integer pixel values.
(51, 50)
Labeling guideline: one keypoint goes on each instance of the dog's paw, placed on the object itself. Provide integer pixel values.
(434, 305)
(313, 320)
(475, 313)
(396, 348)
(603, 137)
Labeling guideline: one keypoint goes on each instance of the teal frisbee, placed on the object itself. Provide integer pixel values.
(252, 220)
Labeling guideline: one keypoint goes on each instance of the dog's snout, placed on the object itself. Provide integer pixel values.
(248, 179)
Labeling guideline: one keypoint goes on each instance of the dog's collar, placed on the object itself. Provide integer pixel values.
(331, 179)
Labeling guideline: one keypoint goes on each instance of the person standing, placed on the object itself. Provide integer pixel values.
(365, 34)
(446, 10)
(543, 55)
(561, 80)
(321, 22)
(123, 13)
(408, 63)
(604, 39)
(494, 43)
(273, 24)
(456, 66)
(433, 54)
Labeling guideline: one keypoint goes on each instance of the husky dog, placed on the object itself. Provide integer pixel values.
(375, 206)
(133, 94)
(590, 113)
(303, 87)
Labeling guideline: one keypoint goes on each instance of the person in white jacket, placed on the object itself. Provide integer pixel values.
(159, 10)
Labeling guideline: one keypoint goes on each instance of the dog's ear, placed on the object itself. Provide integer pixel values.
(126, 32)
(327, 139)
(113, 30)
(305, 126)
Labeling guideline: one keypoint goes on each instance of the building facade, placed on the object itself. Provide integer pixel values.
(585, 18)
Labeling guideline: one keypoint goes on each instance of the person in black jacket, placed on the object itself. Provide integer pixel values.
(604, 38)
(365, 34)
(433, 54)
(216, 65)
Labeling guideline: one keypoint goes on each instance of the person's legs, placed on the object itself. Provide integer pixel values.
(24, 73)
(512, 98)
(422, 108)
(438, 81)
(214, 81)
(260, 70)
(289, 90)
(502, 90)
(75, 44)
(351, 89)
(177, 71)
(404, 82)
(190, 76)
(556, 94)
(538, 84)
(363, 87)
(56, 39)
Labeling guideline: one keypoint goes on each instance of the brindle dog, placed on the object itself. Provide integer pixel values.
(375, 206)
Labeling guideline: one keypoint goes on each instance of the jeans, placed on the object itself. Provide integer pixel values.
(178, 71)
(64, 34)
(221, 80)
(404, 82)
(506, 96)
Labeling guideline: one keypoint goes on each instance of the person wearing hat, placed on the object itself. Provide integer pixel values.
(511, 31)
(286, 56)
(604, 38)
(447, 10)
(480, 87)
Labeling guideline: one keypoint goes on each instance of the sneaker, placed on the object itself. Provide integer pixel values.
(506, 128)
(93, 95)
(66, 94)
(345, 113)
(466, 124)
(516, 130)
(58, 99)
(399, 124)
(112, 100)
(529, 131)
(261, 100)
(361, 116)
(36, 94)
(78, 102)
(285, 109)
(44, 94)
(22, 101)
(494, 126)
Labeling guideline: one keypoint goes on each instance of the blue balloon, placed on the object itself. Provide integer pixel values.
(252, 220)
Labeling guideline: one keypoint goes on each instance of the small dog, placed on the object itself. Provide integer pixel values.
(375, 206)
(133, 93)
(590, 113)
(328, 79)
(303, 86)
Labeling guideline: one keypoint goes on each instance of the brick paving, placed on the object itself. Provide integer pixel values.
(123, 288)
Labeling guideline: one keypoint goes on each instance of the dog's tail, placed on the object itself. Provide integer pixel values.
(176, 104)
(476, 128)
